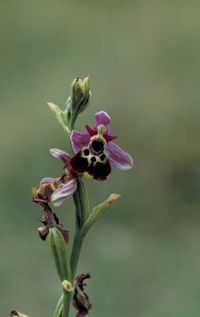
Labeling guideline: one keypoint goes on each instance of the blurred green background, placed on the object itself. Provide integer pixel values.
(143, 59)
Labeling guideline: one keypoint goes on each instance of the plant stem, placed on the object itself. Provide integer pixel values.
(66, 303)
(75, 253)
(82, 212)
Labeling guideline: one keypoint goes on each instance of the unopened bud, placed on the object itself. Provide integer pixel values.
(76, 103)
(80, 94)
(87, 94)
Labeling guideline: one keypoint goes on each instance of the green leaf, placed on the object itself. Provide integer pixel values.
(59, 307)
(98, 212)
(60, 255)
(60, 116)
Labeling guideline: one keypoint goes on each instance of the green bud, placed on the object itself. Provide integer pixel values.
(98, 212)
(77, 94)
(60, 255)
(86, 86)
(87, 94)
(76, 103)
(79, 97)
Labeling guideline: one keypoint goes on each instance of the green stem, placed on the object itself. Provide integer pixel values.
(66, 303)
(62, 262)
(82, 212)
(82, 204)
(75, 253)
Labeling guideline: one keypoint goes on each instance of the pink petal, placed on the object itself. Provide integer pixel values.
(48, 180)
(64, 192)
(110, 137)
(119, 158)
(79, 140)
(58, 203)
(61, 155)
(102, 118)
(90, 130)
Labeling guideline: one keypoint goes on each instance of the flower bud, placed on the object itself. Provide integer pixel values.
(79, 98)
(76, 103)
(87, 94)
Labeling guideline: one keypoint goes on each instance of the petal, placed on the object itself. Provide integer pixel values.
(110, 137)
(90, 130)
(48, 180)
(61, 155)
(102, 118)
(119, 158)
(64, 192)
(43, 232)
(79, 140)
(58, 203)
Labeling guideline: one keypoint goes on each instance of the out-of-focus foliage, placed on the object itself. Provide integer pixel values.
(143, 61)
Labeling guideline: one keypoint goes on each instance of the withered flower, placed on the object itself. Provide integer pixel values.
(81, 300)
(16, 313)
(49, 219)
(56, 190)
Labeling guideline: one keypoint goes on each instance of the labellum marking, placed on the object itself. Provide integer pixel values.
(96, 165)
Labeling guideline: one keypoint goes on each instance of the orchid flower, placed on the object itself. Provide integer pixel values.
(96, 154)
(57, 190)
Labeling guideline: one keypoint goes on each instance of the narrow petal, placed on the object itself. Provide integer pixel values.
(102, 118)
(64, 192)
(79, 140)
(119, 158)
(61, 155)
(90, 130)
(48, 180)
(58, 203)
(110, 137)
